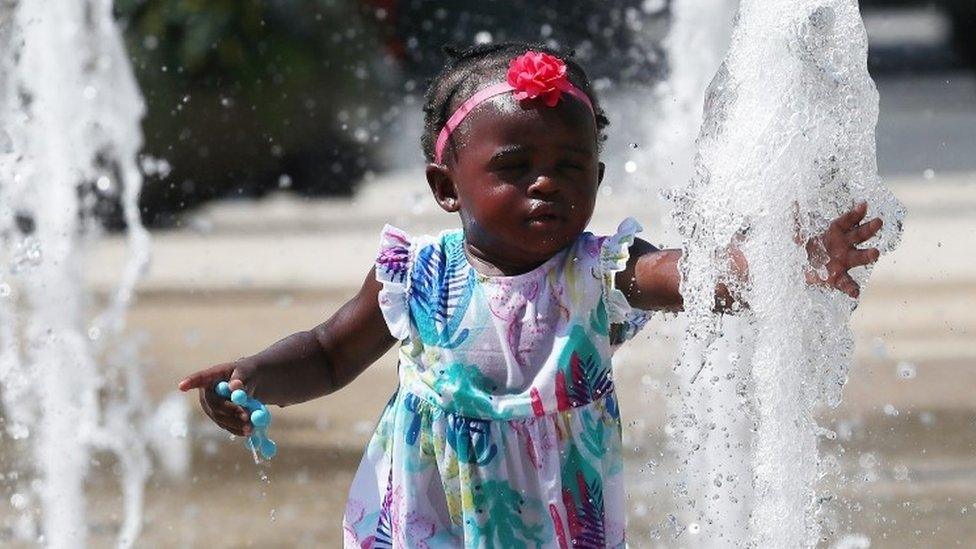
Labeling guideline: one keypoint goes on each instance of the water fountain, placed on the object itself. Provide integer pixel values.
(786, 145)
(70, 113)
(711, 476)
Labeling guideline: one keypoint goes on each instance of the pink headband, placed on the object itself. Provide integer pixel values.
(531, 75)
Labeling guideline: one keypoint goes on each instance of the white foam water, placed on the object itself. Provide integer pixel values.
(70, 110)
(786, 145)
(709, 432)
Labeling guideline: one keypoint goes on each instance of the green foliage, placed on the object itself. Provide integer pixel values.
(249, 42)
(241, 91)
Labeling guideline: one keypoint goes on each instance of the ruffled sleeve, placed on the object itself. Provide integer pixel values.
(614, 252)
(393, 270)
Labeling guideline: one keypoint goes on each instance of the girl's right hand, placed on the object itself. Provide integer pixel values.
(223, 412)
(302, 366)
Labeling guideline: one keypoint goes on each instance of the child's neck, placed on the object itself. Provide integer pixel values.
(485, 263)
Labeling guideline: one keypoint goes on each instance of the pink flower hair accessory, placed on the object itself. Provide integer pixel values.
(537, 74)
(532, 75)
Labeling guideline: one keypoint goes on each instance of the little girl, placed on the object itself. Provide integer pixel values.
(505, 430)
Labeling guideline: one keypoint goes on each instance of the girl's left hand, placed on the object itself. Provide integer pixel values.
(836, 249)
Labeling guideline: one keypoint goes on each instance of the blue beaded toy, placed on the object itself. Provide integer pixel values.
(260, 419)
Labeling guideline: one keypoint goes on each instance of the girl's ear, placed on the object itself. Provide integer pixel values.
(442, 186)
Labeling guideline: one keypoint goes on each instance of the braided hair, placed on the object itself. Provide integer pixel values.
(476, 67)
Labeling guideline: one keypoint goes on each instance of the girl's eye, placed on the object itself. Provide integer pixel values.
(571, 166)
(512, 168)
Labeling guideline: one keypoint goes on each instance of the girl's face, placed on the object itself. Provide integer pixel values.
(524, 178)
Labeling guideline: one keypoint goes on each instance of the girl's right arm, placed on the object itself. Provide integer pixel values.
(302, 366)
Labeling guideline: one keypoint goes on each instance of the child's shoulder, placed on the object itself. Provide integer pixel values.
(395, 238)
(399, 251)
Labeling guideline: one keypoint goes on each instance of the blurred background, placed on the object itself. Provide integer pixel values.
(314, 97)
(282, 135)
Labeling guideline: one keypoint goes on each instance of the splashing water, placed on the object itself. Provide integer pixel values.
(786, 145)
(70, 111)
(709, 432)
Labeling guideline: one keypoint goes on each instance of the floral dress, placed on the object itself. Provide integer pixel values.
(504, 430)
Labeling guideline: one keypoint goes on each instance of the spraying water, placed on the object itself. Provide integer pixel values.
(697, 40)
(70, 111)
(787, 144)
(709, 429)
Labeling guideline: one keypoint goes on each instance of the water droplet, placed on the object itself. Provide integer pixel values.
(653, 6)
(879, 349)
(18, 431)
(284, 181)
(630, 166)
(928, 174)
(906, 370)
(867, 460)
(103, 183)
(927, 418)
(4, 289)
(94, 333)
(274, 516)
(27, 254)
(634, 145)
(18, 501)
(900, 472)
(483, 37)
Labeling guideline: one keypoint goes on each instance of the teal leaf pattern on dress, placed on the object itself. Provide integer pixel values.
(471, 439)
(442, 284)
(504, 511)
(599, 321)
(594, 433)
(468, 390)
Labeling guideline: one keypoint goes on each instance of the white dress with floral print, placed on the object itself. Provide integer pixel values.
(504, 430)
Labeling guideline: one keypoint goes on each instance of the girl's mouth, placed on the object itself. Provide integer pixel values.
(544, 213)
(544, 218)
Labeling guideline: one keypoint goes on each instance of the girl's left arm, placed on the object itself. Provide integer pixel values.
(651, 280)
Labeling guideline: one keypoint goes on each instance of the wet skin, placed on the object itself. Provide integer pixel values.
(525, 187)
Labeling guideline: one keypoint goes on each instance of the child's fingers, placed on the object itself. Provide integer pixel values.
(205, 378)
(864, 231)
(847, 285)
(224, 412)
(854, 216)
(866, 256)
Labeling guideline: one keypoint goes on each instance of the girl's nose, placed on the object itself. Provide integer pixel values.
(543, 185)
